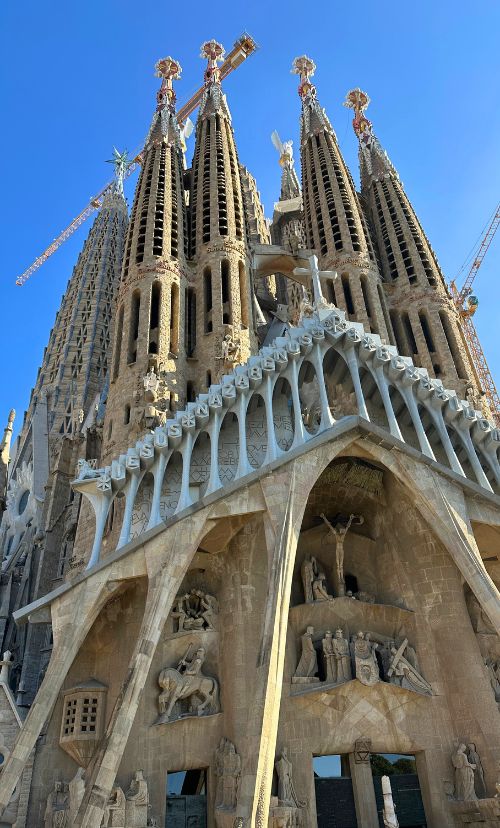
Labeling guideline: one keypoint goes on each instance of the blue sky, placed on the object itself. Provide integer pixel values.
(77, 78)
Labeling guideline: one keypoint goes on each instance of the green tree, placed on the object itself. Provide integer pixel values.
(380, 765)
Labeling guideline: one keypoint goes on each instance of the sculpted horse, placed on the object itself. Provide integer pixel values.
(176, 686)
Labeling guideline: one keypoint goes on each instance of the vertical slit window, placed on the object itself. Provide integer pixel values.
(207, 298)
(387, 320)
(398, 334)
(452, 345)
(426, 332)
(118, 344)
(190, 325)
(174, 318)
(347, 294)
(160, 205)
(409, 333)
(225, 292)
(366, 298)
(243, 295)
(134, 327)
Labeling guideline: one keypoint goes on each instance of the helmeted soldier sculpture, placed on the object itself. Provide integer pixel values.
(187, 681)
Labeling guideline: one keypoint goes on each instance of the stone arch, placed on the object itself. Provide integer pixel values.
(199, 466)
(256, 430)
(339, 384)
(171, 485)
(283, 414)
(229, 448)
(373, 398)
(310, 404)
(142, 506)
(403, 417)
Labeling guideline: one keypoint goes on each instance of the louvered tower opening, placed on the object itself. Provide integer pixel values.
(160, 206)
(141, 238)
(221, 179)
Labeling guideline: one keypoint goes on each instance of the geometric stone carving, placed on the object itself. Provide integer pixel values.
(82, 725)
(196, 610)
(362, 751)
(186, 691)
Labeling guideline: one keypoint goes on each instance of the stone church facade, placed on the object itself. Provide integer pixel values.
(252, 521)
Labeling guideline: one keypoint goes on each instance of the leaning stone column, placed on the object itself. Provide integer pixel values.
(362, 784)
(167, 562)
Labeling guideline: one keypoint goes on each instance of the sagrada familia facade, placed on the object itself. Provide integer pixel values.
(251, 523)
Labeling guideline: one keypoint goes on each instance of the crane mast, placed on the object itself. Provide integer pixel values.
(242, 49)
(466, 305)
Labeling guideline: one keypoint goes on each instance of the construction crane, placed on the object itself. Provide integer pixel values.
(466, 304)
(242, 49)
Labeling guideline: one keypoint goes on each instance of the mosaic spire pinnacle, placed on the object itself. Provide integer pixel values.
(213, 52)
(121, 164)
(168, 70)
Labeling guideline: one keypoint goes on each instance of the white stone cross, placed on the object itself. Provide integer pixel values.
(315, 273)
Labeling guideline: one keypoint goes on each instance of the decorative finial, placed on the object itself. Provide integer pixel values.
(12, 416)
(168, 70)
(121, 164)
(214, 52)
(305, 68)
(358, 100)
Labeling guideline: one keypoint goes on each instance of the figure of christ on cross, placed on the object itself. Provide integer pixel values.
(339, 531)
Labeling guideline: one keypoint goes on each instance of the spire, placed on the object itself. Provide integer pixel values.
(5, 457)
(424, 319)
(335, 223)
(290, 187)
(217, 208)
(314, 117)
(373, 158)
(213, 99)
(158, 221)
(164, 124)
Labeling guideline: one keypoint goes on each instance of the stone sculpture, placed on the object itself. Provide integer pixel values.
(137, 802)
(56, 811)
(196, 610)
(286, 789)
(403, 673)
(313, 581)
(76, 788)
(114, 813)
(389, 814)
(339, 530)
(474, 759)
(187, 681)
(228, 772)
(464, 776)
(308, 664)
(493, 671)
(342, 657)
(328, 657)
(365, 660)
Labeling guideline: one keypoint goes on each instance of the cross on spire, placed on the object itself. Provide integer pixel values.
(168, 69)
(358, 100)
(305, 68)
(214, 52)
(315, 273)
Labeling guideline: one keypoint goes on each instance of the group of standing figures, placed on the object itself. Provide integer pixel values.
(344, 660)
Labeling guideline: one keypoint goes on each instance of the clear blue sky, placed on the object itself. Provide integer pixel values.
(77, 78)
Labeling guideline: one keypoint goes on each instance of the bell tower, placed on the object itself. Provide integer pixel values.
(219, 244)
(336, 227)
(149, 334)
(423, 315)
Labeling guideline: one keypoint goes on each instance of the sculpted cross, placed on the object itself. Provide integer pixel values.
(316, 274)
